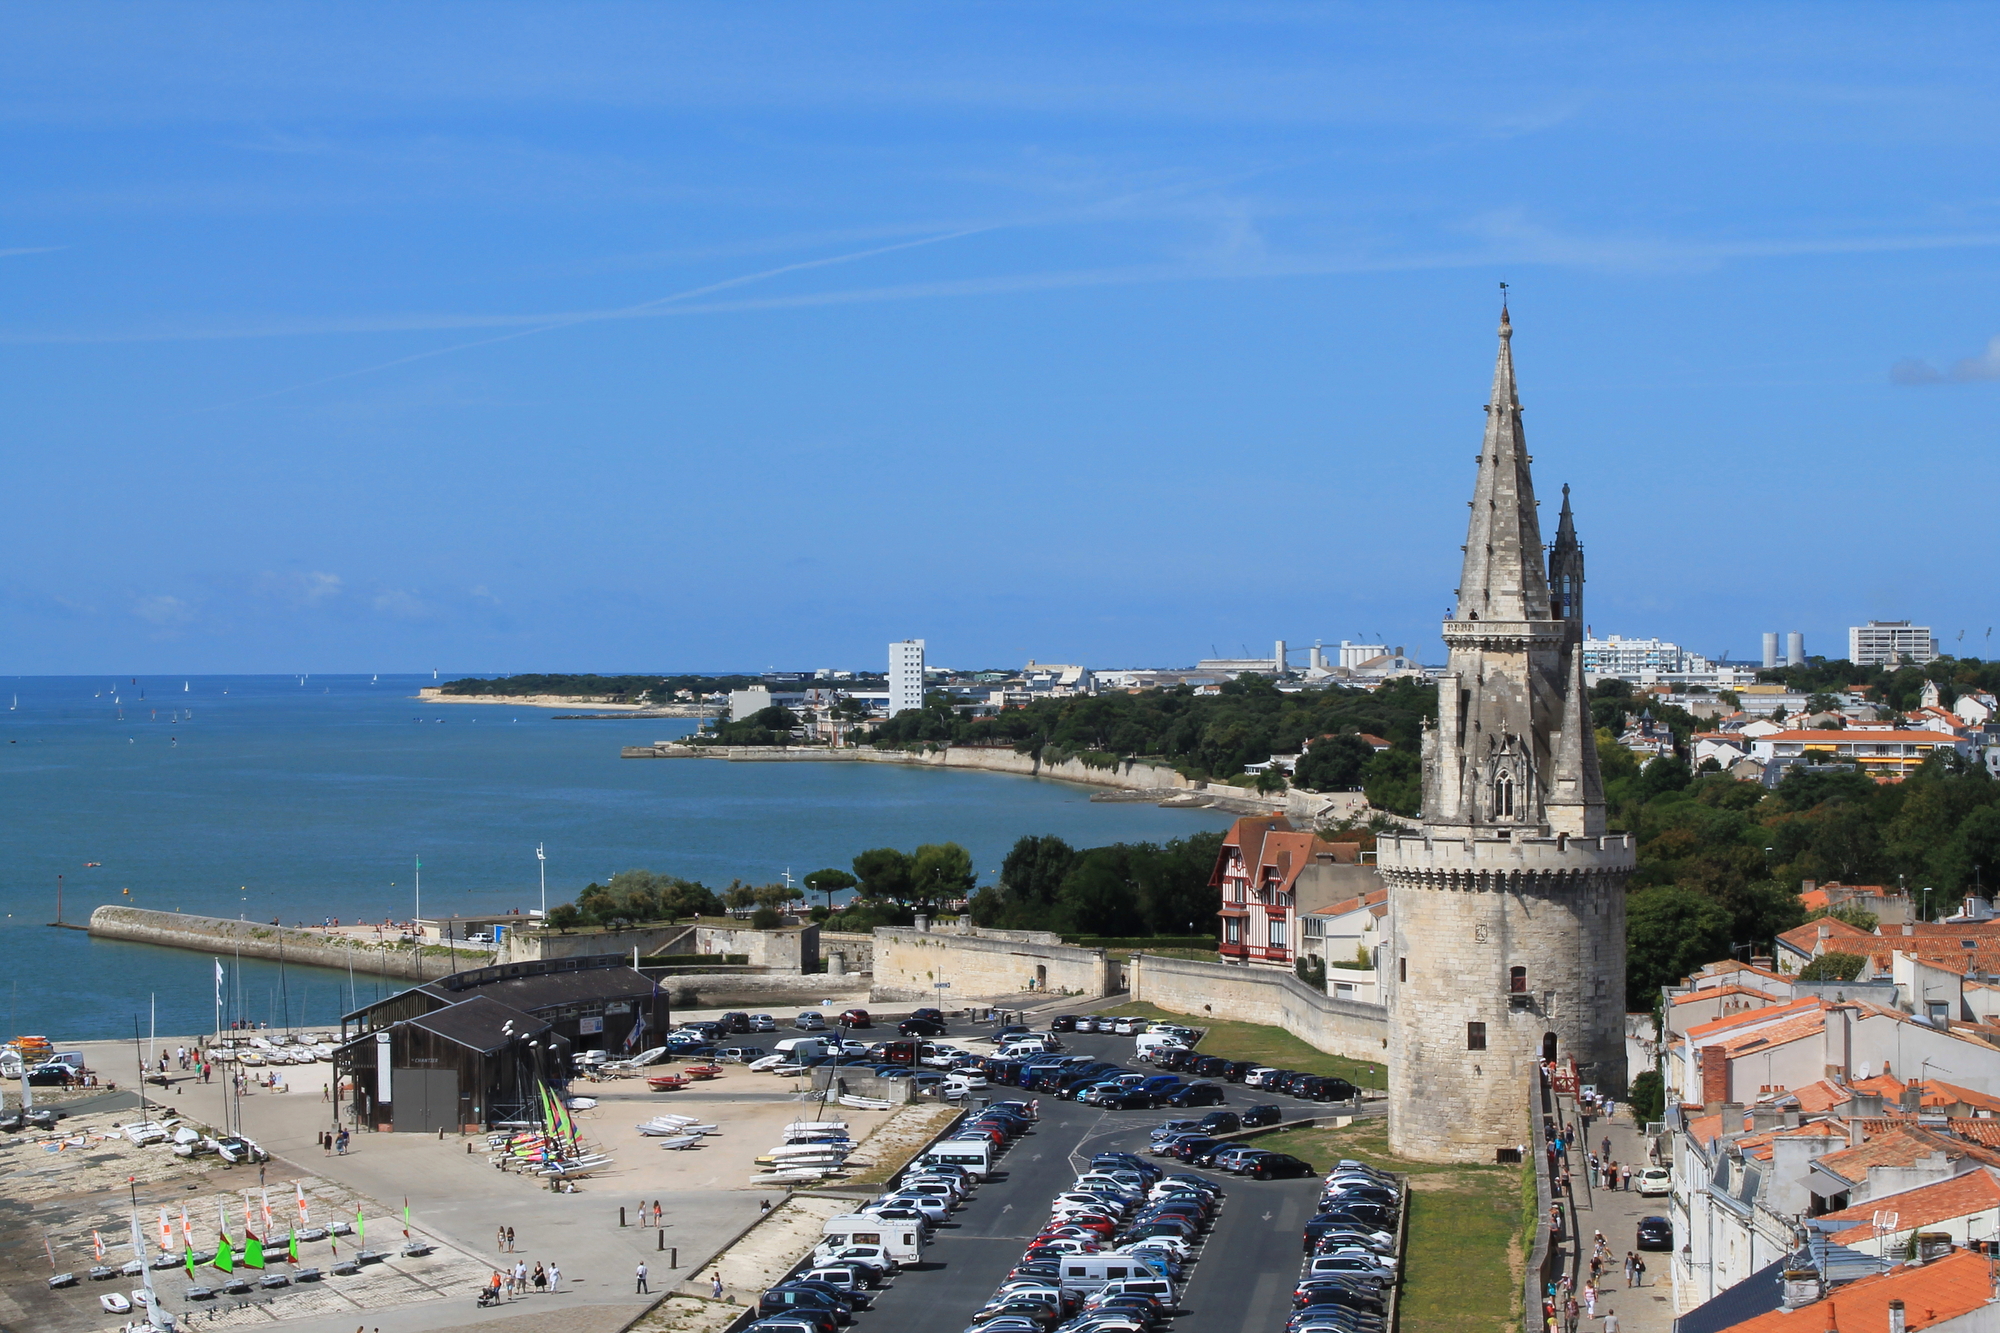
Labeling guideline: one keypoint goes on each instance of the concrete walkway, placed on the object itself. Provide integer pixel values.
(1648, 1309)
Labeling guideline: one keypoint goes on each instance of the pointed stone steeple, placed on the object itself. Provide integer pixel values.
(1566, 574)
(1503, 578)
(1576, 796)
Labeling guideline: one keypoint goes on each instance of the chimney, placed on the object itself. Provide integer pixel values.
(1808, 885)
(1801, 1287)
(1714, 1077)
(1826, 932)
(1896, 1317)
(1909, 928)
(1856, 1135)
(1764, 961)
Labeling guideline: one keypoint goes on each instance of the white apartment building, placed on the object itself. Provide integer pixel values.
(906, 676)
(1619, 656)
(1887, 642)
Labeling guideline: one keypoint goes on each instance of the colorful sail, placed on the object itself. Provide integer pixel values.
(225, 1257)
(253, 1252)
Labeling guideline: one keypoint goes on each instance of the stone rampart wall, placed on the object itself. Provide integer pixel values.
(857, 952)
(1249, 994)
(759, 990)
(535, 945)
(258, 939)
(794, 950)
(910, 963)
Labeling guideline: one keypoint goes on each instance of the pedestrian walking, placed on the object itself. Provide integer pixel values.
(1590, 1300)
(715, 1284)
(642, 1279)
(1569, 1315)
(656, 1212)
(1639, 1269)
(555, 1278)
(326, 1092)
(1610, 1321)
(1628, 1267)
(642, 1212)
(521, 1277)
(541, 1278)
(510, 1240)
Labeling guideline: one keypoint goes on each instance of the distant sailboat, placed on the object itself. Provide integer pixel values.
(372, 679)
(16, 704)
(184, 687)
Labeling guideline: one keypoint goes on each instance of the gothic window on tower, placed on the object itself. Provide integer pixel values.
(1503, 797)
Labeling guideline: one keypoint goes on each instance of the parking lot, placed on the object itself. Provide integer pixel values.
(1246, 1268)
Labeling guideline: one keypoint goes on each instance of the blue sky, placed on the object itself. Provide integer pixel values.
(602, 337)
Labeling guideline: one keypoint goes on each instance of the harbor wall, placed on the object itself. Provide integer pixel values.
(1275, 998)
(774, 991)
(291, 944)
(986, 964)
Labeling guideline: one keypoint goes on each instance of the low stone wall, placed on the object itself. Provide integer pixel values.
(794, 949)
(856, 952)
(753, 990)
(1262, 995)
(258, 939)
(592, 941)
(910, 963)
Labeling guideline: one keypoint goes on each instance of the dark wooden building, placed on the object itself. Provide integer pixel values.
(468, 1051)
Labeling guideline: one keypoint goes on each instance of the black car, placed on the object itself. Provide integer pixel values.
(1239, 1070)
(1196, 1094)
(1221, 1122)
(1656, 1233)
(1209, 1066)
(1267, 1114)
(803, 1302)
(1063, 1023)
(1134, 1100)
(736, 1022)
(1324, 1222)
(1280, 1166)
(1192, 1151)
(920, 1027)
(935, 1015)
(1332, 1089)
(1174, 1059)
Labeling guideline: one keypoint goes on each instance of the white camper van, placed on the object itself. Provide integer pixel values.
(975, 1156)
(902, 1241)
(802, 1048)
(1089, 1272)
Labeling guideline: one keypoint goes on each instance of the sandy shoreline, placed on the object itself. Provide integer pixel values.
(432, 696)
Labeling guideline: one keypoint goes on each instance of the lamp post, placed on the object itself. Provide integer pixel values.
(542, 863)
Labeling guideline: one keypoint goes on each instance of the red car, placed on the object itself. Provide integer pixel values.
(855, 1018)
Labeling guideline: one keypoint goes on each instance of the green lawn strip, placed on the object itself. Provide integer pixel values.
(1266, 1045)
(1462, 1257)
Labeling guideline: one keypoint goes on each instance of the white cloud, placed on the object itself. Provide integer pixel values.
(1966, 370)
(300, 588)
(402, 604)
(164, 610)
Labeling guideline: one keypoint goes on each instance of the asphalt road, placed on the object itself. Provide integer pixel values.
(1242, 1280)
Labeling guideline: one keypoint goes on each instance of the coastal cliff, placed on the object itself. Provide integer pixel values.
(258, 939)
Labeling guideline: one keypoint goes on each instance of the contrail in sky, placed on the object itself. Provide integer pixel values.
(622, 312)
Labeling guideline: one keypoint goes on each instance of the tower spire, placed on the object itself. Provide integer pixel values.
(1502, 577)
(1566, 575)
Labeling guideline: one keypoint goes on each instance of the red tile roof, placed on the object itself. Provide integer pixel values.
(1945, 1289)
(1899, 1145)
(1714, 1027)
(1927, 1205)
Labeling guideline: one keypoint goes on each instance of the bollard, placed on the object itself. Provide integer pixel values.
(621, 1214)
(440, 1133)
(468, 1147)
(674, 1257)
(661, 1237)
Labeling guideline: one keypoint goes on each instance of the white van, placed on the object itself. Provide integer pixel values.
(1017, 1047)
(975, 1156)
(1154, 1285)
(1148, 1044)
(902, 1241)
(803, 1048)
(1090, 1272)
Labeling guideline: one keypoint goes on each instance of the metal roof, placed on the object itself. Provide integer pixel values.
(481, 1023)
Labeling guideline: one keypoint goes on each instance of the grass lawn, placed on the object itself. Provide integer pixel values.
(1462, 1261)
(1266, 1045)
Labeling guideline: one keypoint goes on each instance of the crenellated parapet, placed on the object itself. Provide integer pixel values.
(1521, 863)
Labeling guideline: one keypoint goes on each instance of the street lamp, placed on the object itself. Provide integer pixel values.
(542, 862)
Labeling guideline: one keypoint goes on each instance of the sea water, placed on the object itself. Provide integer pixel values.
(307, 798)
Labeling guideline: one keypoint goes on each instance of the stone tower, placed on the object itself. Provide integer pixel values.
(1507, 911)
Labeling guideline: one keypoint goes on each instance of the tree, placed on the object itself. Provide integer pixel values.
(1833, 966)
(1334, 763)
(830, 882)
(766, 918)
(1033, 871)
(1098, 896)
(941, 871)
(1669, 932)
(774, 896)
(1853, 916)
(564, 916)
(1271, 780)
(739, 895)
(1311, 969)
(1647, 1097)
(1394, 781)
(883, 872)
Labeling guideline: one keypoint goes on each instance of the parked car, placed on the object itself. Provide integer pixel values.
(1221, 1122)
(736, 1022)
(855, 1018)
(809, 1021)
(1656, 1233)
(1279, 1166)
(1656, 1180)
(1266, 1114)
(763, 1023)
(1196, 1094)
(920, 1027)
(1063, 1023)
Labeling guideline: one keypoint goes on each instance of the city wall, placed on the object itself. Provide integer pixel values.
(910, 964)
(259, 939)
(794, 949)
(772, 991)
(1243, 994)
(855, 952)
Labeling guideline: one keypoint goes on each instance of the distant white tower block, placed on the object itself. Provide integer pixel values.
(1770, 651)
(906, 676)
(1279, 654)
(1795, 649)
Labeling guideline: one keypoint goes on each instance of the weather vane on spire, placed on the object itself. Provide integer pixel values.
(1503, 296)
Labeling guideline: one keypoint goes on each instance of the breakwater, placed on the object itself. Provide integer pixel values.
(1156, 782)
(290, 944)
